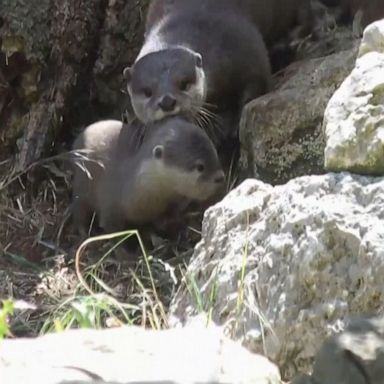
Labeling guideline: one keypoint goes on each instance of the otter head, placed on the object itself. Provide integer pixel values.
(166, 82)
(187, 161)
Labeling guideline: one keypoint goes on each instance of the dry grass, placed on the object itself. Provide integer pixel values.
(38, 245)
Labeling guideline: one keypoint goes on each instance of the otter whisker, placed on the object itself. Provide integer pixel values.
(199, 121)
(209, 126)
(202, 117)
(212, 122)
(209, 113)
(209, 105)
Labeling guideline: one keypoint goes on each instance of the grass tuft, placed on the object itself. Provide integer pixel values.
(7, 309)
(38, 248)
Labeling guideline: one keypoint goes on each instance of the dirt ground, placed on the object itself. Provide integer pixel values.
(38, 244)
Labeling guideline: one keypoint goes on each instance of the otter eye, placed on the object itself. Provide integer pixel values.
(147, 92)
(200, 167)
(199, 60)
(185, 85)
(158, 151)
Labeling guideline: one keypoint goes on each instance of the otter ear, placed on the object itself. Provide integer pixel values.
(127, 73)
(158, 152)
(198, 60)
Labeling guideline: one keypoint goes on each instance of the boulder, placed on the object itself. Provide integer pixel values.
(280, 132)
(195, 354)
(373, 40)
(354, 356)
(283, 266)
(354, 117)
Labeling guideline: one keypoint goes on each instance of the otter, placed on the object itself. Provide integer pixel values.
(362, 12)
(197, 63)
(174, 164)
(365, 11)
(274, 18)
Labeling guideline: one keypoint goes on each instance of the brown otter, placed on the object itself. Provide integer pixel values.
(363, 11)
(282, 23)
(369, 11)
(175, 164)
(199, 61)
(274, 18)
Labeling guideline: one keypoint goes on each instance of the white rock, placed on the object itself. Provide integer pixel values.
(194, 354)
(373, 40)
(311, 253)
(354, 118)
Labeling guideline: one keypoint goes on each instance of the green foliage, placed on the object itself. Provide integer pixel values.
(100, 309)
(89, 312)
(200, 303)
(7, 310)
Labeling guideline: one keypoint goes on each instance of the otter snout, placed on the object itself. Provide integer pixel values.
(219, 177)
(167, 103)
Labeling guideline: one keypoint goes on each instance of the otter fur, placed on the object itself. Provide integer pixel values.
(174, 164)
(273, 18)
(205, 64)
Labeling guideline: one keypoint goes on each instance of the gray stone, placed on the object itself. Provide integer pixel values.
(280, 133)
(195, 354)
(282, 267)
(354, 356)
(354, 118)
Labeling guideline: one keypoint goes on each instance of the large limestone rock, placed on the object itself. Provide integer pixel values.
(195, 354)
(283, 266)
(373, 39)
(354, 117)
(281, 133)
(355, 356)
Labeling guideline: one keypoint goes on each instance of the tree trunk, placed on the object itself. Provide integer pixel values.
(60, 68)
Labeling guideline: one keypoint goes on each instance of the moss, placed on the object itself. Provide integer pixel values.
(16, 127)
(26, 42)
(12, 44)
(378, 95)
(303, 155)
(26, 27)
(372, 166)
(29, 84)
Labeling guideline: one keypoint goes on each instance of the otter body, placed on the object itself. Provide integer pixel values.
(371, 10)
(274, 18)
(174, 164)
(196, 59)
(100, 140)
(368, 10)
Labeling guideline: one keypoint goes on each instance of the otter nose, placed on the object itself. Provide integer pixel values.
(167, 103)
(219, 177)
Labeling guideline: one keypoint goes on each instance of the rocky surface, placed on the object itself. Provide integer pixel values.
(353, 119)
(283, 266)
(126, 355)
(280, 133)
(373, 40)
(354, 356)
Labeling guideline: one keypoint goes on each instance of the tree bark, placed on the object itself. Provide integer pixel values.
(60, 68)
